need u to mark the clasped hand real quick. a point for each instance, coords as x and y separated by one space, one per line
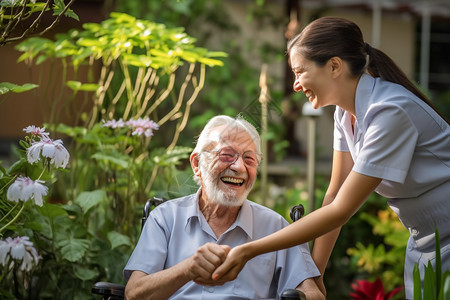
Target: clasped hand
215 264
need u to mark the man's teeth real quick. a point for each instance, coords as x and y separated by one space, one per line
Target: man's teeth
232 180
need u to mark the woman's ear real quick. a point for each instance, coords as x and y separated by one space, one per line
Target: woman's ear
336 65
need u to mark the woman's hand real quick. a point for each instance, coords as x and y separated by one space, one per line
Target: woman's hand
233 264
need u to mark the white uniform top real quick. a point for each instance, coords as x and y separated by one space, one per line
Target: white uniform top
402 140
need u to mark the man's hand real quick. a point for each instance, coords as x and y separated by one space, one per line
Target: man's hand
163 284
206 259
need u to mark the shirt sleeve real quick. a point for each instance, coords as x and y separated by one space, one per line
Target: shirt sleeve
297 265
389 143
152 244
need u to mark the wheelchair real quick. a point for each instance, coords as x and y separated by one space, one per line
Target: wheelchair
114 291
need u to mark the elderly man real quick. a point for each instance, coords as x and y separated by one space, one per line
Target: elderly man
185 239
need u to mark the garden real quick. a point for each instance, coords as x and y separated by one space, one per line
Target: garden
137 89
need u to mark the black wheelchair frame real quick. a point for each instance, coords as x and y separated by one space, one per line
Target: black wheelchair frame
115 291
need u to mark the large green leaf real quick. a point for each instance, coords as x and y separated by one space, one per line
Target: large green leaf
444 293
79 86
417 284
84 273
73 249
51 211
429 282
87 200
123 163
116 239
6 87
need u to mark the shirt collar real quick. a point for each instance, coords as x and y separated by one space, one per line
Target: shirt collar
244 219
364 91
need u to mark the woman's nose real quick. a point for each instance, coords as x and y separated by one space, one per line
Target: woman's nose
297 86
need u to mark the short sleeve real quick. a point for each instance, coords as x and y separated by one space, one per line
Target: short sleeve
152 243
339 139
388 144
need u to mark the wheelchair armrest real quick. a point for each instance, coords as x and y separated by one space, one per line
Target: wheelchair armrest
109 290
292 294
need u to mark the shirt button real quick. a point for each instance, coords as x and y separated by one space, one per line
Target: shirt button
414 231
211 289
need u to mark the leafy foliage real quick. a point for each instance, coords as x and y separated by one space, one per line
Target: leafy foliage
435 284
91 218
382 261
27 16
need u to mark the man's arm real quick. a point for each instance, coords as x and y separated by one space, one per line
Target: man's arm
163 284
310 289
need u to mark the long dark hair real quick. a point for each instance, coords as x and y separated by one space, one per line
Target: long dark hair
328 37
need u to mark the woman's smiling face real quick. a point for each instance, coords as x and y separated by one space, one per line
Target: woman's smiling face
313 80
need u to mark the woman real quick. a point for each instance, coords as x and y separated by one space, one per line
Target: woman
387 139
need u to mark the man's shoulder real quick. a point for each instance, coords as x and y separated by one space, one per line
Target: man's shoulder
260 209
176 204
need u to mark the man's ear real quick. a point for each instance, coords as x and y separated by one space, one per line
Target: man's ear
195 164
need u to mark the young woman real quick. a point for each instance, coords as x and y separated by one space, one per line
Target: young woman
387 138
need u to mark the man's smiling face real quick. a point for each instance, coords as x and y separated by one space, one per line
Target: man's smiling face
224 183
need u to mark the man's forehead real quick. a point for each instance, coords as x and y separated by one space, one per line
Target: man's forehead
231 135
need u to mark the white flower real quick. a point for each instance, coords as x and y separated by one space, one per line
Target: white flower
4 249
19 249
24 189
40 132
58 154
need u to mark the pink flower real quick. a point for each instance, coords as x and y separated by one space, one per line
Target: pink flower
114 124
19 249
24 189
54 150
143 126
139 126
37 131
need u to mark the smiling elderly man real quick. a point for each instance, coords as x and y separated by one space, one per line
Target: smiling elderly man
185 239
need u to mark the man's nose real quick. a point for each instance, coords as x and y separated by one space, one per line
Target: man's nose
239 164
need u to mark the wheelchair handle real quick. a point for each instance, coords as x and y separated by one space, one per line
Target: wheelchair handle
297 212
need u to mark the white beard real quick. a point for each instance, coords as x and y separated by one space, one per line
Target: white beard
216 195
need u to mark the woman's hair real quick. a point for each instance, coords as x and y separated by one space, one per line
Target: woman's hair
228 123
329 37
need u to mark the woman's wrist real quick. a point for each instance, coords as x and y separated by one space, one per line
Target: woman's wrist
249 250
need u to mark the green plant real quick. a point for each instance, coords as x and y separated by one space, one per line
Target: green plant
23 183
120 157
26 15
436 284
382 261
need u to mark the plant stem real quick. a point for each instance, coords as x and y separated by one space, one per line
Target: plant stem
14 219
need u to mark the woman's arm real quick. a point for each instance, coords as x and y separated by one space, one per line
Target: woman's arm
352 194
323 245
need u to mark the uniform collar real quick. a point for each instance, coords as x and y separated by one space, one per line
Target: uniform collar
364 91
